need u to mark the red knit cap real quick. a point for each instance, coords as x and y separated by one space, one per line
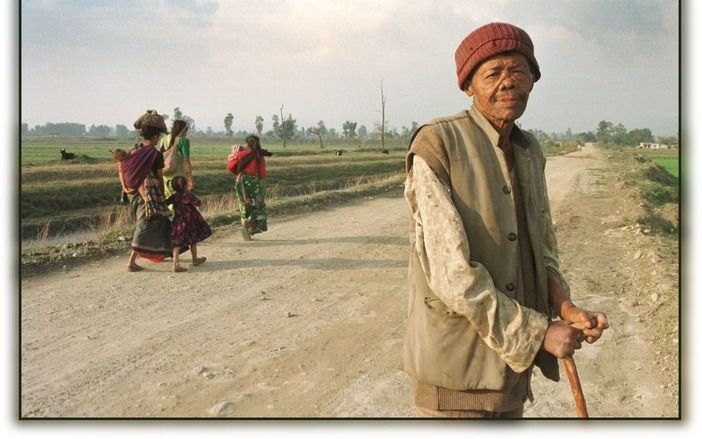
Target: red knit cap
490 40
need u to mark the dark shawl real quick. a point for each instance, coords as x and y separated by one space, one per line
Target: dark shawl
137 165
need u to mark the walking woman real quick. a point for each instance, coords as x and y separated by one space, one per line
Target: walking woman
248 164
176 151
142 169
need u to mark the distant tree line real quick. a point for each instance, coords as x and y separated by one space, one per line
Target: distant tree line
285 128
609 133
606 133
70 129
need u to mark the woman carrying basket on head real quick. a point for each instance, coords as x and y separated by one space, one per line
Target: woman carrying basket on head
142 170
248 164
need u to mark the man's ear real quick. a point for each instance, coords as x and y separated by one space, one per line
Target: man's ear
468 89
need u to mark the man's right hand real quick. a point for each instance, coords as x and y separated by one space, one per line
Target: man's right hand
562 339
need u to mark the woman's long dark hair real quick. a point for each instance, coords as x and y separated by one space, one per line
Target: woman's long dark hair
179 127
254 143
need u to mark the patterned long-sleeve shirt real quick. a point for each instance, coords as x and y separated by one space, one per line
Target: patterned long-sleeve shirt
512 330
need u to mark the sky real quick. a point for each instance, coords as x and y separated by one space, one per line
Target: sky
105 62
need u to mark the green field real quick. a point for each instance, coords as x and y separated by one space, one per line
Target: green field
40 150
74 194
666 158
670 164
67 195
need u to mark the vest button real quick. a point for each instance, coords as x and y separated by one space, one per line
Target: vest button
512 236
506 189
510 286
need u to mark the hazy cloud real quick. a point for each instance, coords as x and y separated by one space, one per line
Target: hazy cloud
104 62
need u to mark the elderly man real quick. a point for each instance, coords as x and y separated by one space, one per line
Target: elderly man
484 273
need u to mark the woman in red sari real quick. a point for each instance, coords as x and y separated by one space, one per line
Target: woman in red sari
248 164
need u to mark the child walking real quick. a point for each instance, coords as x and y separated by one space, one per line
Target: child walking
188 226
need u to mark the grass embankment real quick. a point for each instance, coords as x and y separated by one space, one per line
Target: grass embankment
657 181
670 164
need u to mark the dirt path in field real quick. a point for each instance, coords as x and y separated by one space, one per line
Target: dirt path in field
308 320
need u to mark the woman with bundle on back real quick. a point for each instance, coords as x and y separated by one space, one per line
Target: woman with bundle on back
176 153
248 164
141 172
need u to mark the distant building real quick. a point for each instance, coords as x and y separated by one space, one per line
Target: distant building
650 145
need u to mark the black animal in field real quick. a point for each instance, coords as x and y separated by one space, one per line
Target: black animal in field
339 152
66 155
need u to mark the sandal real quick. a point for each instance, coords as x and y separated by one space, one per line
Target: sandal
199 261
134 268
179 269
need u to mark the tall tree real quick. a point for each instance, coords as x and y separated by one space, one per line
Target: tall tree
585 137
228 124
604 131
99 131
259 125
619 135
317 133
349 129
177 114
413 128
284 128
121 131
322 128
276 124
639 135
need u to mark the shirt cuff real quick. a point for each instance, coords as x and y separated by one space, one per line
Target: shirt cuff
530 345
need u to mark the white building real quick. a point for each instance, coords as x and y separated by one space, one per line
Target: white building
650 145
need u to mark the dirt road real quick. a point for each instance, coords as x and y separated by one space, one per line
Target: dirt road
307 320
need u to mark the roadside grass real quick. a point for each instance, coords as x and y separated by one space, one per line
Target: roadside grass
667 158
224 210
660 191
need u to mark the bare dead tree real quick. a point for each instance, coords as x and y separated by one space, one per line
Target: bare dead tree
382 119
318 134
282 125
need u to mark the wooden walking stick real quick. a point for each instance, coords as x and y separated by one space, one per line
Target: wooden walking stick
575 387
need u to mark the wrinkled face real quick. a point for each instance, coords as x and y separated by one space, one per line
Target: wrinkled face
500 87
